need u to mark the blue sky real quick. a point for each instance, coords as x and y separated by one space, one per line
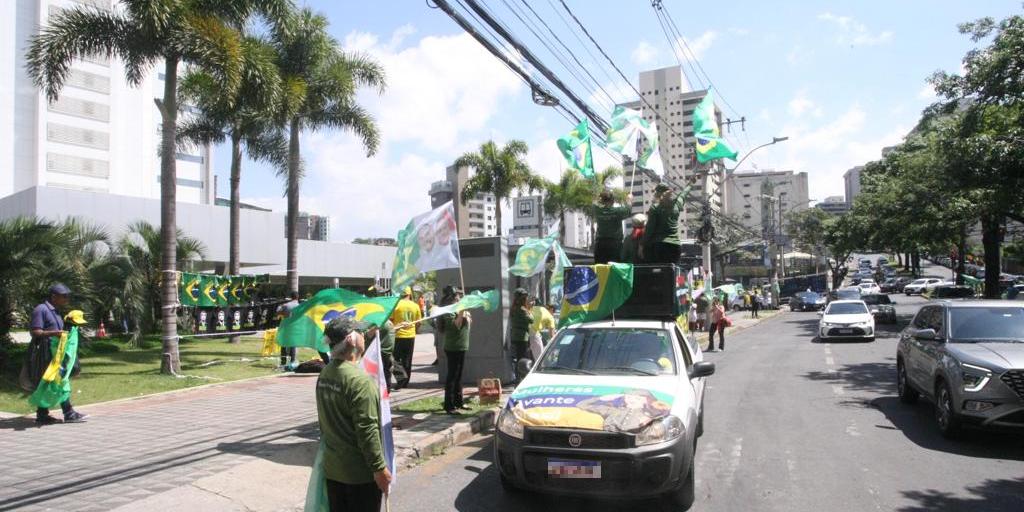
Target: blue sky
841 79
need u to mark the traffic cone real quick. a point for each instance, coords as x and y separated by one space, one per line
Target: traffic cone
102 332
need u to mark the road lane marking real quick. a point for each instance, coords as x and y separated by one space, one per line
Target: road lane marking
829 361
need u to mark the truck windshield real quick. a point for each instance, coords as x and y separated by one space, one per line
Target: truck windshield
610 351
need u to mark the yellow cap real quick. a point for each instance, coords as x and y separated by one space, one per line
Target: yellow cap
407 291
76 317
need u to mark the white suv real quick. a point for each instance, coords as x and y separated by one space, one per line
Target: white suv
920 285
610 410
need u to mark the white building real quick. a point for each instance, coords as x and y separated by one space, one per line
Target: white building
529 221
835 205
101 134
668 91
475 219
851 180
746 191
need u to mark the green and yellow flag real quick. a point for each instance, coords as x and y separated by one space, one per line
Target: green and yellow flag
190 290
223 290
208 290
305 326
55 385
237 295
575 147
594 292
710 144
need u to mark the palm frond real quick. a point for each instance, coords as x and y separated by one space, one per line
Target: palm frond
207 41
349 117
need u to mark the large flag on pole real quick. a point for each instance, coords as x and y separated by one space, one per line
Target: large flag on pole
558 273
304 327
626 127
575 147
429 242
372 364
710 144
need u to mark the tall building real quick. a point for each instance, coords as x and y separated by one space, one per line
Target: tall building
640 183
476 218
312 227
529 221
669 93
746 201
836 205
851 179
100 135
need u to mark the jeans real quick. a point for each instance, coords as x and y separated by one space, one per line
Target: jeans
720 327
353 497
403 356
453 381
388 362
520 350
65 407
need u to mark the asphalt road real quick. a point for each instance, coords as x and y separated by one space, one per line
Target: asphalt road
791 425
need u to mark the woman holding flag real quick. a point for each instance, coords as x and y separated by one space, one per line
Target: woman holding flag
456 343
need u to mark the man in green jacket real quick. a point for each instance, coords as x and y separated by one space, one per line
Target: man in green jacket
608 217
661 236
348 407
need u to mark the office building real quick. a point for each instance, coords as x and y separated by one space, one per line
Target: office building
529 221
851 180
836 205
669 93
312 227
746 202
640 183
476 218
100 135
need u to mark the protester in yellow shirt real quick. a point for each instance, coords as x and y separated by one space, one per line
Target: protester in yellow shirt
542 329
405 315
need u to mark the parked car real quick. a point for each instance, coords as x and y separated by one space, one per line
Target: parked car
967 357
887 285
882 260
881 307
868 286
950 291
931 286
807 301
919 285
849 293
897 287
847 319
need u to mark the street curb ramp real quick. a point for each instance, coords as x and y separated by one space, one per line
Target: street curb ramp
438 442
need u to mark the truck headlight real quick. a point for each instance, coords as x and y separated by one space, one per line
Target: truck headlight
509 424
660 431
974 377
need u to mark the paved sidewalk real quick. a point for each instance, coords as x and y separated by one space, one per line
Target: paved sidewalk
237 446
741 320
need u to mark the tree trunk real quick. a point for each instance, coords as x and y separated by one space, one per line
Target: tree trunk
169 362
561 228
961 267
497 214
293 206
899 259
990 225
915 262
234 266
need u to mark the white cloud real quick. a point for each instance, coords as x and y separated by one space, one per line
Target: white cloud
644 53
852 32
737 31
927 93
696 46
798 55
801 104
442 95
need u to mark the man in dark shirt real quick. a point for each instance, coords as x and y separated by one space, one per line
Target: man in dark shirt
348 407
47 322
608 217
661 243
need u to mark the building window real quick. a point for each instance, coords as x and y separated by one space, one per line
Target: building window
80 108
185 157
182 182
77 136
525 208
67 164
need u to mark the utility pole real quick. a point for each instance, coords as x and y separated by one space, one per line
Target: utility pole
780 241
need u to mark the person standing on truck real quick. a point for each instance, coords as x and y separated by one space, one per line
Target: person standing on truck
661 236
632 241
608 217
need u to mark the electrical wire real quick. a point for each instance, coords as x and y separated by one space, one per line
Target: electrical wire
677 49
618 85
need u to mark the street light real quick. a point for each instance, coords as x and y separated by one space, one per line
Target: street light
775 140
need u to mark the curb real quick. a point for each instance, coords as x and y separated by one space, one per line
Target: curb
702 337
438 442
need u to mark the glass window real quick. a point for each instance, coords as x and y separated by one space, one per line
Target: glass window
921 321
610 351
846 308
994 323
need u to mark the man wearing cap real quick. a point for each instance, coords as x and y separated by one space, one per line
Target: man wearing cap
404 316
608 217
46 323
348 408
661 243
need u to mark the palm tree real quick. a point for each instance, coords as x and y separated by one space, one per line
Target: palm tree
243 118
320 82
499 171
140 255
197 32
572 192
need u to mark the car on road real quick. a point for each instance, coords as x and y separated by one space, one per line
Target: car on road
931 286
967 357
868 286
848 293
900 283
611 409
849 319
949 291
888 285
882 260
881 307
919 285
807 301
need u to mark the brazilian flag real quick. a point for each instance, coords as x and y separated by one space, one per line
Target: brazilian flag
191 289
594 292
223 290
237 290
710 144
305 326
208 290
249 287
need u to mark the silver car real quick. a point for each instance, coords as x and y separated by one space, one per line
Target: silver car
968 358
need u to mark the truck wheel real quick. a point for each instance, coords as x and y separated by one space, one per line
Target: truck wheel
908 394
683 497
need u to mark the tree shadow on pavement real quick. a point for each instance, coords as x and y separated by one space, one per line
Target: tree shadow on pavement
293 447
485 494
878 378
990 495
917 423
804 323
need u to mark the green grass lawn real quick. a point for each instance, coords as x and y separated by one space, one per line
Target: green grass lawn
435 404
111 369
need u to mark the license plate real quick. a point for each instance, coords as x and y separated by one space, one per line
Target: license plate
845 331
560 468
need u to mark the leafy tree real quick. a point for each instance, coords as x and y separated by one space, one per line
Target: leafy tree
807 228
842 236
320 82
176 32
499 171
572 193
